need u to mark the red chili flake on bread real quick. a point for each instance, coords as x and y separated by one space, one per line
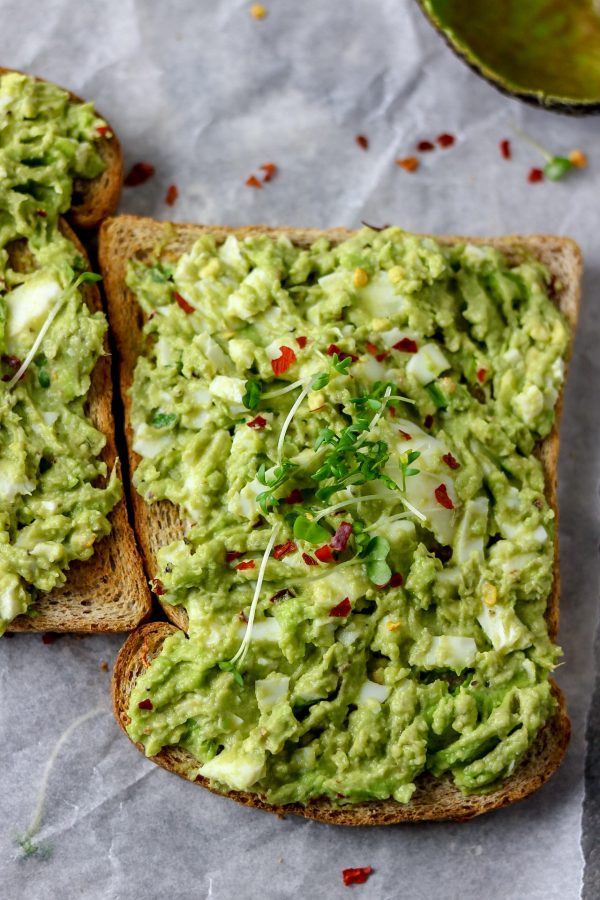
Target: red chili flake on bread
103 130
171 195
362 141
405 435
356 876
270 170
282 550
428 421
408 163
397 580
441 495
139 174
342 609
294 496
406 345
308 560
425 146
183 304
258 423
341 537
253 181
481 375
301 341
445 140
247 564
230 555
379 355
333 349
505 151
41 213
324 554
392 410
535 175
451 461
280 595
145 704
158 587
13 361
283 362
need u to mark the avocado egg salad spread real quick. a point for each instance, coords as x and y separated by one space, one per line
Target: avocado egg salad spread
51 507
349 433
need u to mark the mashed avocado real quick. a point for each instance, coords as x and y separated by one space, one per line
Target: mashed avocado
349 433
52 508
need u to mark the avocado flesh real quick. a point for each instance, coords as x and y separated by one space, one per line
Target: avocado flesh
545 51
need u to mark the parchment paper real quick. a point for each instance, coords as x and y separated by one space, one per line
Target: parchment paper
207 94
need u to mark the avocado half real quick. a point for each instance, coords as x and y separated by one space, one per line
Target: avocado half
545 52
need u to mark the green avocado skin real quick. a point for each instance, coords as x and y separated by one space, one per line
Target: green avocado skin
516 46
414 640
53 507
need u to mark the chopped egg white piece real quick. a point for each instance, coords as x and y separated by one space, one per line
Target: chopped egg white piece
427 363
235 768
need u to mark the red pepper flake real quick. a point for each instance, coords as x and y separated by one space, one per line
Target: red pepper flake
182 302
103 130
428 422
376 352
158 587
171 195
342 609
139 174
294 497
301 341
280 595
408 163
309 560
445 140
283 362
258 423
392 410
13 361
242 616
356 876
333 348
49 638
397 580
41 213
505 152
324 554
270 170
406 345
230 555
362 141
341 537
441 495
405 435
481 375
535 175
425 146
247 564
253 181
145 704
281 550
451 461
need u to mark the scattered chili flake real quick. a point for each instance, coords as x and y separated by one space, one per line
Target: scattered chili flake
535 175
283 362
333 348
230 555
441 495
309 560
183 304
247 564
103 130
139 174
405 435
280 595
324 554
171 195
258 11
428 421
281 550
362 141
397 580
408 163
13 361
425 146
41 213
406 345
258 422
341 537
445 140
270 170
578 158
376 352
146 704
481 375
451 461
242 616
301 341
49 638
158 587
342 609
505 151
253 181
294 497
356 876
392 410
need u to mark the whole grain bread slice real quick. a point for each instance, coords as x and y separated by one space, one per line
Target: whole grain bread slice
108 592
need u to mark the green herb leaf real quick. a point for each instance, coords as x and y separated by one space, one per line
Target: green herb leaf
41 359
320 381
228 666
88 278
251 398
305 530
556 167
406 468
163 420
341 365
378 572
44 378
437 395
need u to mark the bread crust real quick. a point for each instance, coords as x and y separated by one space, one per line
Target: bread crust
128 237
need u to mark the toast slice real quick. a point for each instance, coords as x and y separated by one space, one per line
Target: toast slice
108 592
129 237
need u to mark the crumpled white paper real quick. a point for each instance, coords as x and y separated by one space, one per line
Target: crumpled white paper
207 94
